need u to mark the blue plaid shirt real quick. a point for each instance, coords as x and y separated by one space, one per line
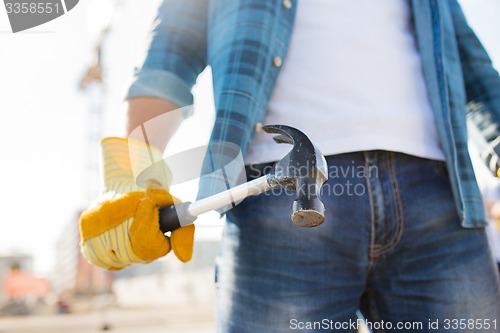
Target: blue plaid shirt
245 43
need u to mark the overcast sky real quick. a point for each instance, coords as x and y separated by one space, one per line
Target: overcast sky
43 115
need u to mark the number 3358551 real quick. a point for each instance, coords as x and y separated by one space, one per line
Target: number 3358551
32 8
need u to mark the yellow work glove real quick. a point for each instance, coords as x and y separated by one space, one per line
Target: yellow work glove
122 226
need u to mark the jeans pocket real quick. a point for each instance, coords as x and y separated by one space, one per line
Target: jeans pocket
440 168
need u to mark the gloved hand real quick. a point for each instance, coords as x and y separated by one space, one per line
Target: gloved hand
122 226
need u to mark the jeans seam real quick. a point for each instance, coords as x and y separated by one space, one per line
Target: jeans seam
372 209
399 206
372 306
399 211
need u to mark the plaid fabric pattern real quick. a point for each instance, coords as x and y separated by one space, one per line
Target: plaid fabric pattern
245 36
482 86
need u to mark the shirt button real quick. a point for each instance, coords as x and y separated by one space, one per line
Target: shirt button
277 61
287 4
258 127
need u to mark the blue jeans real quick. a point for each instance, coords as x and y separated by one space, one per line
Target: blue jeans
391 245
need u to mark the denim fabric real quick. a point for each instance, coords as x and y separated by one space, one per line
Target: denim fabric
240 39
390 245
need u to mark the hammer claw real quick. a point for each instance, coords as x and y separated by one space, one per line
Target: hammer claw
283 139
287 134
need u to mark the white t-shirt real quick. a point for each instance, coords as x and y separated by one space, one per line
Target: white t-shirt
352 81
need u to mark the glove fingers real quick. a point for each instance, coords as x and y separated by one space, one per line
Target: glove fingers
182 241
148 242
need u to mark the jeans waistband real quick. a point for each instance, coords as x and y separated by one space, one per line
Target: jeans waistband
358 158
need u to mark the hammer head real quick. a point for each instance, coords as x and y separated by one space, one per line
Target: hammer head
304 170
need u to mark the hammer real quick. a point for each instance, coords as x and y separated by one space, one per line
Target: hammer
303 170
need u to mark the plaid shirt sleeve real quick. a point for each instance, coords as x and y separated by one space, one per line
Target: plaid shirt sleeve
482 82
482 86
177 53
